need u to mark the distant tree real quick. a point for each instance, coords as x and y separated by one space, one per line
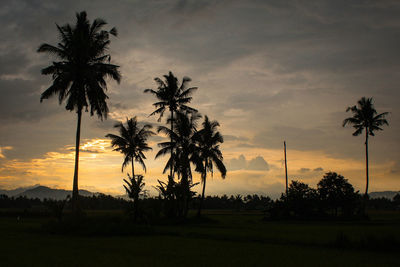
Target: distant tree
79 76
208 140
365 117
301 199
396 200
132 142
336 192
174 97
134 187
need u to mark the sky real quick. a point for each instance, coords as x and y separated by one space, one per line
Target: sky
267 71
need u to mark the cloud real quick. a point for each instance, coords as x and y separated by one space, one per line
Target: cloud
256 164
304 170
319 169
3 149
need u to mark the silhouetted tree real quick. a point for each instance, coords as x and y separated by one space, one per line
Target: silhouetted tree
336 192
132 142
184 152
134 186
207 140
168 193
301 199
365 118
79 78
174 97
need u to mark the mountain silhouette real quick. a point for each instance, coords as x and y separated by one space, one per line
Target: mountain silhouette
42 192
16 191
384 194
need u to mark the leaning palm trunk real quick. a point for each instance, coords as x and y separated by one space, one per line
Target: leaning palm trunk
75 190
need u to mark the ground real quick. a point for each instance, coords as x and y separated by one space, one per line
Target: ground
224 238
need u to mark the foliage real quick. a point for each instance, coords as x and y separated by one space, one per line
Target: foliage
171 95
334 197
301 199
336 192
132 142
134 188
208 153
184 150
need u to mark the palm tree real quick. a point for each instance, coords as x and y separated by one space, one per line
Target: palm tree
79 76
365 117
134 186
132 142
208 140
172 96
184 152
181 145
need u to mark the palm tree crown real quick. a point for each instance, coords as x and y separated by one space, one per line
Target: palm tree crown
171 95
365 117
132 142
79 78
182 143
208 140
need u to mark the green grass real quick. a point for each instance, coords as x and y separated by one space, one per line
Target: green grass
224 239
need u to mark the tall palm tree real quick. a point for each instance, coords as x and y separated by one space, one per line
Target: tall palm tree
172 96
79 77
132 142
208 140
365 118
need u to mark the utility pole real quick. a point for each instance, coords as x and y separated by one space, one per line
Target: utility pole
284 145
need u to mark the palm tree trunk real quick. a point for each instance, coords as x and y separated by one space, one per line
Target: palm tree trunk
172 153
133 170
202 194
284 144
75 191
366 161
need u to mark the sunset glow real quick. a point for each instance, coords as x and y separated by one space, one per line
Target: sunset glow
266 73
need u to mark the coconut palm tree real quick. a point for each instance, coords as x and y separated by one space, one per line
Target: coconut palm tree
208 140
182 143
132 142
172 96
184 152
79 77
365 117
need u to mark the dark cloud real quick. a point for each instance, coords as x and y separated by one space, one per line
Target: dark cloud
20 101
319 169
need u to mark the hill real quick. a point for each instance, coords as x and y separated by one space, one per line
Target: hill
42 192
384 194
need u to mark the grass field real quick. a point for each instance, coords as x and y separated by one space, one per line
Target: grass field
222 239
